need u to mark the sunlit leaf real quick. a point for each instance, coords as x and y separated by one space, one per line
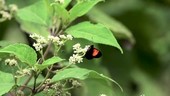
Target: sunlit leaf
115 26
35 13
96 33
81 8
81 74
6 82
22 51
49 62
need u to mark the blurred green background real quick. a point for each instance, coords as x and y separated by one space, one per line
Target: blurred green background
144 66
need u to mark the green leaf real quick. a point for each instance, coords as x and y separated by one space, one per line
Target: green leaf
81 8
35 18
66 3
31 28
80 73
103 86
36 13
96 33
6 82
115 26
61 12
22 51
49 62
4 43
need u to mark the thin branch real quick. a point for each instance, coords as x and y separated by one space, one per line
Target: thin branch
46 77
26 82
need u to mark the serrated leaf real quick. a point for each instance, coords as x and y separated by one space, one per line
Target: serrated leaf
96 33
115 26
6 82
81 8
49 62
36 13
81 74
22 51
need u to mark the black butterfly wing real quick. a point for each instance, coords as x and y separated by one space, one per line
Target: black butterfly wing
92 53
89 52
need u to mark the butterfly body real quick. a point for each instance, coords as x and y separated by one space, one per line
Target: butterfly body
92 53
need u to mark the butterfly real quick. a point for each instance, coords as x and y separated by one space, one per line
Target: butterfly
92 53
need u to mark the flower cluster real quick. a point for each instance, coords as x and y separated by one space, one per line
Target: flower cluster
23 72
40 41
7 12
11 62
56 88
103 95
60 40
75 83
79 52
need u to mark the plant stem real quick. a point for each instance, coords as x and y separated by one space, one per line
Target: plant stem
47 50
66 89
26 82
35 80
46 77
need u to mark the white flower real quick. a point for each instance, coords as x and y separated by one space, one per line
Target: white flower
50 38
79 59
78 53
38 38
11 62
56 39
26 71
69 37
7 61
76 46
62 36
41 40
75 58
34 36
37 46
23 72
5 15
13 7
72 60
86 47
103 95
61 43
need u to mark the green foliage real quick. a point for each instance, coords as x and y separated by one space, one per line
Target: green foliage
61 13
23 52
35 18
35 13
96 33
6 82
115 26
48 62
81 8
81 74
45 18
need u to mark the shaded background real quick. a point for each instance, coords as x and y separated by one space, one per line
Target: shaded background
144 66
